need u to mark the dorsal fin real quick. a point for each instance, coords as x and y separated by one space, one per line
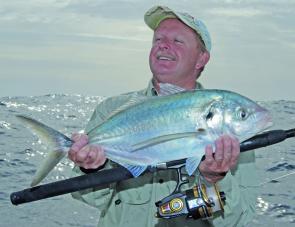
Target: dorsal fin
134 99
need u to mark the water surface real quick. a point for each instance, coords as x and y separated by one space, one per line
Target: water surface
21 152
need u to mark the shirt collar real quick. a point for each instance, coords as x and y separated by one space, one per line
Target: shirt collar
151 91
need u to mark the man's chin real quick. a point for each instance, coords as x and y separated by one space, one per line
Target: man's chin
164 78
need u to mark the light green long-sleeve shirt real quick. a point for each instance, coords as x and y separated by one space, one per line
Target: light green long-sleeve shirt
131 203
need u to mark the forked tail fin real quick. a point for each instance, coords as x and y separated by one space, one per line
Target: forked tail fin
57 142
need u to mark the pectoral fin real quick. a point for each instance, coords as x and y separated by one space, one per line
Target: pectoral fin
191 165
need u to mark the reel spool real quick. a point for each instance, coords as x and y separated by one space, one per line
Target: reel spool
200 202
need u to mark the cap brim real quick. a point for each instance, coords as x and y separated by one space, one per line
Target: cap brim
155 15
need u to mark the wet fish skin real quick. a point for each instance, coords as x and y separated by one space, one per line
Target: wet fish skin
153 130
185 112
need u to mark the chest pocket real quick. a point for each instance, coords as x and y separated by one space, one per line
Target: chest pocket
136 190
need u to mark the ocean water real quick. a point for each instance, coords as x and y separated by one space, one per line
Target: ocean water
21 152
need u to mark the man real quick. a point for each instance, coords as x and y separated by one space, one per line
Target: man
180 51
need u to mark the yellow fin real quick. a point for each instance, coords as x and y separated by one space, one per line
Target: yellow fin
50 161
54 140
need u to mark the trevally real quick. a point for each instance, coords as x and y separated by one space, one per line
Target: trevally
152 130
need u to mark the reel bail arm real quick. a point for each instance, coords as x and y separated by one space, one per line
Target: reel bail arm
200 202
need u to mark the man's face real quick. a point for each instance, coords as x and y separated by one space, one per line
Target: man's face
175 53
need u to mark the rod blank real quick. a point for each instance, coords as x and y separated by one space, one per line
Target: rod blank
105 177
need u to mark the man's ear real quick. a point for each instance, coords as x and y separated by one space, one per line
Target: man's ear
203 59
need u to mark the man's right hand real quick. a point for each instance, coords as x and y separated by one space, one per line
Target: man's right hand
84 155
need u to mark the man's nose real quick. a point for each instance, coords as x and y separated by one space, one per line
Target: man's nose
164 44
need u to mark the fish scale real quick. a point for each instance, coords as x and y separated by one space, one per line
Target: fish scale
161 112
155 130
148 127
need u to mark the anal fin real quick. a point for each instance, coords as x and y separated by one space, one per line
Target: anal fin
134 170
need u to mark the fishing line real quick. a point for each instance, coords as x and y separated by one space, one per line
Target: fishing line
280 177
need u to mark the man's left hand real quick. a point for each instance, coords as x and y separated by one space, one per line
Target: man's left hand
227 151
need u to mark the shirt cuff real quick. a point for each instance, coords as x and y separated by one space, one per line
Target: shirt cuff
93 170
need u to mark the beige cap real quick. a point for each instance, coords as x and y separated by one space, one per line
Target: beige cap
156 14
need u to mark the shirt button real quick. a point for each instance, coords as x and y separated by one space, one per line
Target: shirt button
103 213
118 201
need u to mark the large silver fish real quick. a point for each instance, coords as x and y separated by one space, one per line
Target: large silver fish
152 130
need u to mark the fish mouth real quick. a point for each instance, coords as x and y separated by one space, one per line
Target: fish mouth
265 122
269 125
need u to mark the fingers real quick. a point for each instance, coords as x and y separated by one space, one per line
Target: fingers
209 155
235 153
80 140
230 150
227 152
81 156
80 137
89 157
208 166
219 151
225 157
84 155
95 158
92 155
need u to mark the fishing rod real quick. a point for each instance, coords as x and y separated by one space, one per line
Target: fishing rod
106 177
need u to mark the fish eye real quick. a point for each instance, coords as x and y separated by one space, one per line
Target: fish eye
242 114
209 116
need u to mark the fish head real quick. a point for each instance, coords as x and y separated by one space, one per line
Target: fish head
243 117
236 115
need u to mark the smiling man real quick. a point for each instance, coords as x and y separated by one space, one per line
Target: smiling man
180 50
177 55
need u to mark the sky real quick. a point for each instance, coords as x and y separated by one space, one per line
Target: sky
101 47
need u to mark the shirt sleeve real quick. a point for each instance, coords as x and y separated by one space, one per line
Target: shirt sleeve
101 196
241 189
97 197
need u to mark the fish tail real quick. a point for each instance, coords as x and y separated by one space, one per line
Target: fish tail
57 142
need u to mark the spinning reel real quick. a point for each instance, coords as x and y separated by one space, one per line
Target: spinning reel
200 202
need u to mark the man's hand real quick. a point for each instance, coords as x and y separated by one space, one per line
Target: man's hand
84 155
225 158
